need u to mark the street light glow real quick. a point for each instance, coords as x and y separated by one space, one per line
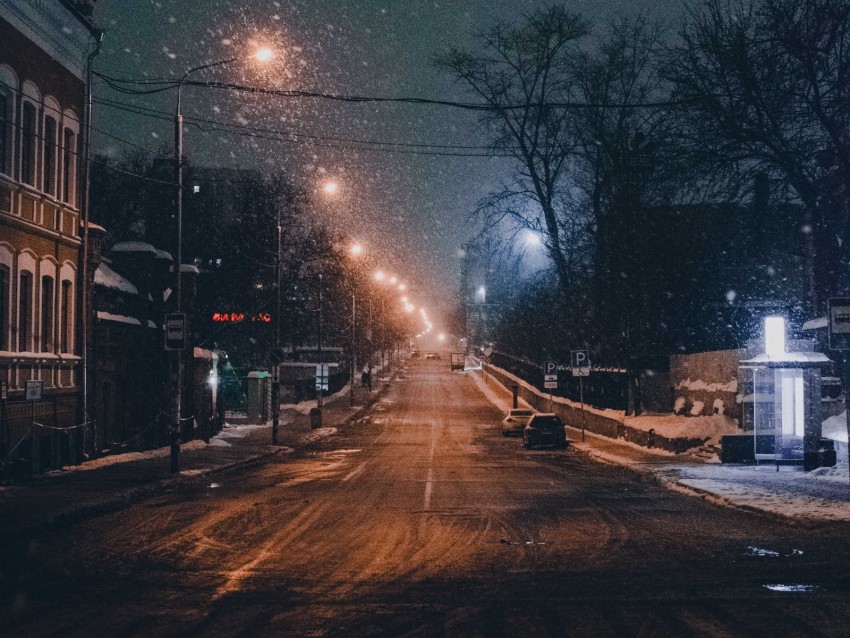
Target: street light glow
264 55
393 280
330 188
379 276
356 249
402 287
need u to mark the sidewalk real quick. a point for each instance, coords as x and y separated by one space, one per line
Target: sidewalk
820 495
110 482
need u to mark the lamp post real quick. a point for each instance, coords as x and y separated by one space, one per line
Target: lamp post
262 55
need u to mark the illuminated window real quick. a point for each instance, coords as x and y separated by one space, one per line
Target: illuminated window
46 314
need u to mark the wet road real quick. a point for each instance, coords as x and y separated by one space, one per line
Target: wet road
427 522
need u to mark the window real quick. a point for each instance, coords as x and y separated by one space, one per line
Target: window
4 307
50 155
24 311
28 138
5 113
46 314
66 300
69 166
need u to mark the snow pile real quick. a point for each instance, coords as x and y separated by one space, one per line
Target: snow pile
835 428
672 426
304 407
108 278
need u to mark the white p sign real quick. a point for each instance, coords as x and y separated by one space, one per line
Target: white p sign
550 367
579 359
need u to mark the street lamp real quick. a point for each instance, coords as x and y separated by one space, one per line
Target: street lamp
261 55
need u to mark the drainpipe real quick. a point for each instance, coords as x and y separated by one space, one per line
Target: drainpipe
86 204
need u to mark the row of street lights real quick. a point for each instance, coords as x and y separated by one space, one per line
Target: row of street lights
261 55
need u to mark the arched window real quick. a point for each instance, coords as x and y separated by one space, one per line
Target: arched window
29 136
5 295
66 308
50 130
70 153
8 87
24 311
47 301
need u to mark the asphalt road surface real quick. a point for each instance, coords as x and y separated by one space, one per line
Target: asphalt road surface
427 522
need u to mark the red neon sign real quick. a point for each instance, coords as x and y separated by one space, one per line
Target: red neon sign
239 317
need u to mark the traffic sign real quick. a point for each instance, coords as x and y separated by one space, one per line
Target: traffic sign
580 363
34 390
838 314
322 376
550 367
175 331
550 385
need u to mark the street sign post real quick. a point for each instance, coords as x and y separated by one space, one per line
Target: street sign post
322 377
175 331
839 323
580 364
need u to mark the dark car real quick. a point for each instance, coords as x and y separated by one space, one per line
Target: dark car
432 355
545 429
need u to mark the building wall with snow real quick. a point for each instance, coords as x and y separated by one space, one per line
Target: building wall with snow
706 383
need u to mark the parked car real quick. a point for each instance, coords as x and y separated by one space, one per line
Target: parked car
432 355
414 354
545 429
515 421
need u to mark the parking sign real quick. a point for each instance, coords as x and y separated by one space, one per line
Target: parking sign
580 363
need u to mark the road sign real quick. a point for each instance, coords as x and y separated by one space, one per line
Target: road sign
580 363
34 390
838 315
550 385
550 367
175 331
322 376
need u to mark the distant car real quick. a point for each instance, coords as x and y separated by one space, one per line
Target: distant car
415 354
432 355
544 429
515 420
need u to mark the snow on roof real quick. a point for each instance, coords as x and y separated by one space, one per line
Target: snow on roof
189 268
815 324
108 278
134 247
164 254
808 358
203 353
108 316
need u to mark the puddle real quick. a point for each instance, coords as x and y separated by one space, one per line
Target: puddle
761 552
795 588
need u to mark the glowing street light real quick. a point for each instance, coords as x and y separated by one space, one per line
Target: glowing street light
261 55
356 249
330 188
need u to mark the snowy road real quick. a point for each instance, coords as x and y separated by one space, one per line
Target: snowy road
427 521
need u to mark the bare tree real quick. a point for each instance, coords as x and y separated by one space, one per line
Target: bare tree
765 91
523 73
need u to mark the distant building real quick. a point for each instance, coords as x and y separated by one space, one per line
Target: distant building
44 46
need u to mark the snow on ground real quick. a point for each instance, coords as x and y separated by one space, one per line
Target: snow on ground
693 427
823 494
128 457
304 407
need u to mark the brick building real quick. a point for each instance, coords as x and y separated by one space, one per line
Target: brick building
45 47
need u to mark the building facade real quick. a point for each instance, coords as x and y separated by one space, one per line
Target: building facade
44 48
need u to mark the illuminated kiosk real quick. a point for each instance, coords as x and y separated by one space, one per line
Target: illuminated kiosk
787 398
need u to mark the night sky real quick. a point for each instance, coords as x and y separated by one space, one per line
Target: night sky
410 210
